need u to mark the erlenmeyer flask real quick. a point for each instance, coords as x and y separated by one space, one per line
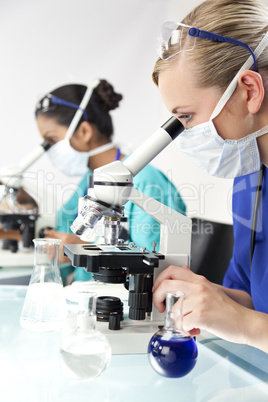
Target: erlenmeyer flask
86 351
44 307
172 351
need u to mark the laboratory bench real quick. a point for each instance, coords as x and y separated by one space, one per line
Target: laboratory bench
32 370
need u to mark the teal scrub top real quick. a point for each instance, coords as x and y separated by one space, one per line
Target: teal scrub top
143 229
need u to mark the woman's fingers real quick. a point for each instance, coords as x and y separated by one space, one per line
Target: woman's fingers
173 272
171 285
160 295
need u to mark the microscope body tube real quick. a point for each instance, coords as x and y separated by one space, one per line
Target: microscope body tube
153 145
25 163
33 156
11 175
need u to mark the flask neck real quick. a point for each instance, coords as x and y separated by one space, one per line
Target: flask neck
46 252
174 314
86 318
86 321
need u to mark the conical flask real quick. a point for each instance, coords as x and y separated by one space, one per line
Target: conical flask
44 307
172 351
85 351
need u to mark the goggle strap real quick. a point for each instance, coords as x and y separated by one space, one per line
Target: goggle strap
200 33
62 102
233 84
83 104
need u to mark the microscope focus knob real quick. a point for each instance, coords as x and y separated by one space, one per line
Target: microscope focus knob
137 305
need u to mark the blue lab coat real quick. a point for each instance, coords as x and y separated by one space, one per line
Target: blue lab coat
238 275
143 229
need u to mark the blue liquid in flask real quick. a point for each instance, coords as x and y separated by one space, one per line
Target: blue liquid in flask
172 352
172 356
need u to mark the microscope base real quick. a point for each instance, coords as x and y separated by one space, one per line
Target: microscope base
132 338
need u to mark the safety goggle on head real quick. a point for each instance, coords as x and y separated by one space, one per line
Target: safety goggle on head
177 37
50 102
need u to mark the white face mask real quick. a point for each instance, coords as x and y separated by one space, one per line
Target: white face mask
71 162
219 157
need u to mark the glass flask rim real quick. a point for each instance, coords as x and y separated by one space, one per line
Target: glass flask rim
83 288
175 293
46 240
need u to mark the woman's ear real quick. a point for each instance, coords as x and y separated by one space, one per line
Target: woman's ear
85 132
252 84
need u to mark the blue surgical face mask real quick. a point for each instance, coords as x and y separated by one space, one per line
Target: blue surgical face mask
219 157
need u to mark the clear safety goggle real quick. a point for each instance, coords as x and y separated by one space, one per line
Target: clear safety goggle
177 37
172 36
49 102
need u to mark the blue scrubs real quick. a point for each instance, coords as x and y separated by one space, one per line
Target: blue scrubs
143 230
238 275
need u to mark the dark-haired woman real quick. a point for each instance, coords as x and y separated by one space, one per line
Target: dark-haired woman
90 147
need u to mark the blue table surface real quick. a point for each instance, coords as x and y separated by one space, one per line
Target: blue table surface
31 369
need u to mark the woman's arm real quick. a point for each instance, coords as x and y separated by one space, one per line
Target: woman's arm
239 296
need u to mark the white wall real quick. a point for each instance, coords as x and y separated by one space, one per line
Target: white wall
49 43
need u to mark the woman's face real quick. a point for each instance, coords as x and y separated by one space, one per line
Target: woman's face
50 130
53 132
192 105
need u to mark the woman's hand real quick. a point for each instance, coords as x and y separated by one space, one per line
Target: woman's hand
66 238
206 306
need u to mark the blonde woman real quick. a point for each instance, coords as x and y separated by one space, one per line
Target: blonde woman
212 75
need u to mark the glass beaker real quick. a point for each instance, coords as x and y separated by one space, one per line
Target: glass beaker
172 351
85 350
44 307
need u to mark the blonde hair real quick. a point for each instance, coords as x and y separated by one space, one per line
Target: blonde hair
216 63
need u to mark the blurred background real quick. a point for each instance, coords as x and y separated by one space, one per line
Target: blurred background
46 44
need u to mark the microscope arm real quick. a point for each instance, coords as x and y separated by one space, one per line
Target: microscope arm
175 235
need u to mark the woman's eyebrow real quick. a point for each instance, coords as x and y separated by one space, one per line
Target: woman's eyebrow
178 108
48 133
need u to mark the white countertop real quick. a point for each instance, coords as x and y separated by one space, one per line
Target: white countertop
32 370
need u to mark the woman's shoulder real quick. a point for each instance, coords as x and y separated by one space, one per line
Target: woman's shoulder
83 184
151 174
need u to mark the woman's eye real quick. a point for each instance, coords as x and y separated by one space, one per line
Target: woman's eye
52 141
186 117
